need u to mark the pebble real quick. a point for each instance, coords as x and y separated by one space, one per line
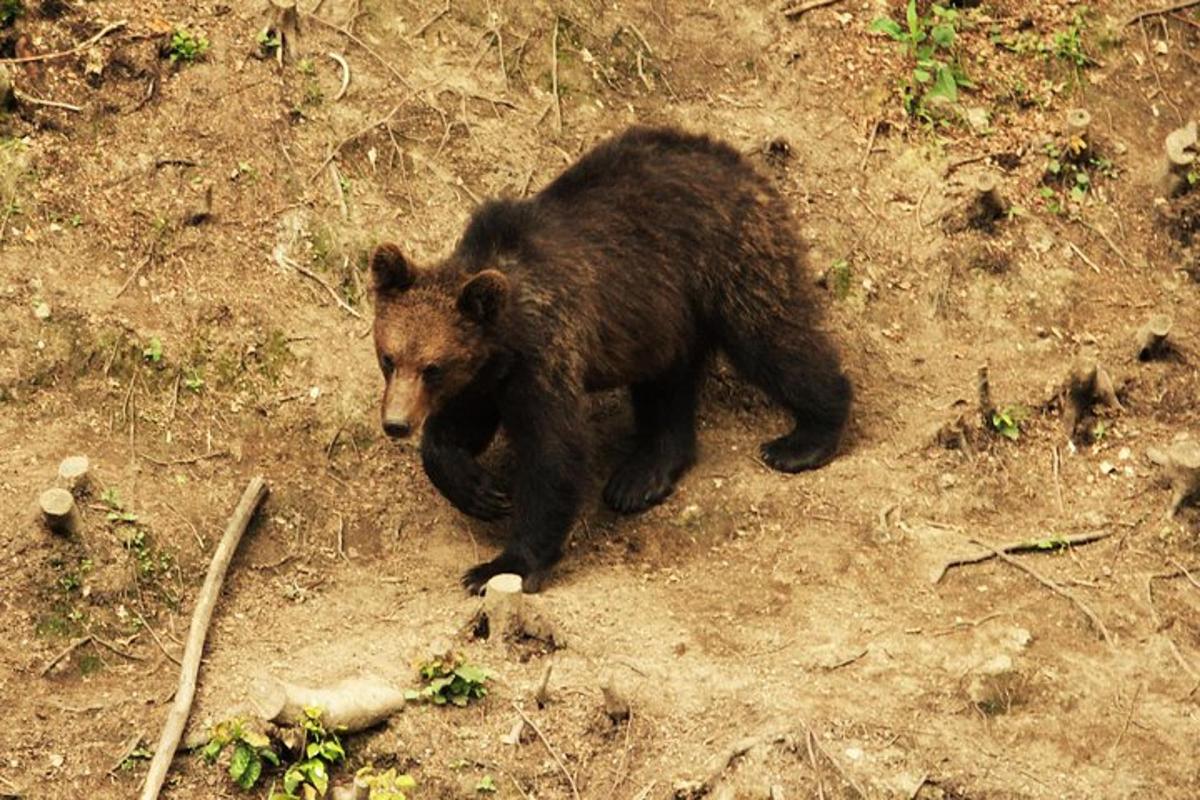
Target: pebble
42 311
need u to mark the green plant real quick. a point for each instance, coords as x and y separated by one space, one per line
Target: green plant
929 41
1007 422
268 41
251 750
153 351
486 785
1068 44
322 749
137 754
306 66
193 379
9 11
186 46
116 509
388 785
449 679
839 278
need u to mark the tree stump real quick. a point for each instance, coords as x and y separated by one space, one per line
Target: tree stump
1183 470
509 613
1152 337
59 512
616 707
73 474
1183 152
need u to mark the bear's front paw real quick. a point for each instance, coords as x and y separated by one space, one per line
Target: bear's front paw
474 579
799 452
640 483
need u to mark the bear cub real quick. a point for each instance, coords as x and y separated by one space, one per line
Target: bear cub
632 268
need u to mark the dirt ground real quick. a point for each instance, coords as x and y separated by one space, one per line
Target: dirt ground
184 353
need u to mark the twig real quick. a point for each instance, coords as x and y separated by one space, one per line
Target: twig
188 460
201 617
425 25
1128 718
1052 586
130 745
1107 240
122 653
549 749
1047 545
795 12
345 75
84 45
1150 12
341 537
370 51
361 132
336 177
412 205
554 78
812 759
66 651
157 640
37 101
1083 256
150 254
1185 572
862 167
1058 495
285 262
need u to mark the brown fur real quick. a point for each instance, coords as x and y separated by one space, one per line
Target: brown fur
630 269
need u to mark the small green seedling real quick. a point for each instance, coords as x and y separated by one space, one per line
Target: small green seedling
193 379
153 351
186 46
268 41
138 753
322 749
486 785
388 785
449 679
251 750
1049 543
1008 422
116 509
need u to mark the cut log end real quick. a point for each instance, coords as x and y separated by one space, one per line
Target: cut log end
73 474
616 707
1078 122
1152 337
1183 469
59 512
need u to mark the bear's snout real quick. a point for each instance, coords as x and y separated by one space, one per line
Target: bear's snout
397 428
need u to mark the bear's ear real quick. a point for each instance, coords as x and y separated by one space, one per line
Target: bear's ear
484 296
390 270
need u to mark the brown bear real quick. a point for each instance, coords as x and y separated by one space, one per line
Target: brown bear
632 268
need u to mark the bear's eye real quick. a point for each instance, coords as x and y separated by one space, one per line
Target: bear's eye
430 373
387 365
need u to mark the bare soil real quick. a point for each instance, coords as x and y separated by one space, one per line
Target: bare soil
800 610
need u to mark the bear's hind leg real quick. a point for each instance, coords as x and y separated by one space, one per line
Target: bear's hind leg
798 368
664 413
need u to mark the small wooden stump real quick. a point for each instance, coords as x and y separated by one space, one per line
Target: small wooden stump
1183 150
616 707
1183 470
1079 123
1088 385
1152 337
59 512
73 474
508 613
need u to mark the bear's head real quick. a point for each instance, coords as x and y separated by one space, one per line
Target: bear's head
433 334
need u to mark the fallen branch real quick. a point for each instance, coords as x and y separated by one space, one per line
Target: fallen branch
189 460
79 48
37 101
1153 12
549 749
1048 545
795 12
353 704
1052 586
201 617
285 262
66 651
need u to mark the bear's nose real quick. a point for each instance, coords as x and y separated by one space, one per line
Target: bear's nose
397 429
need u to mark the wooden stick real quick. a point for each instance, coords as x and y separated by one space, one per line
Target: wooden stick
370 51
1052 586
84 45
1047 545
1151 12
284 261
38 101
345 75
554 78
361 132
549 749
66 651
255 491
795 12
